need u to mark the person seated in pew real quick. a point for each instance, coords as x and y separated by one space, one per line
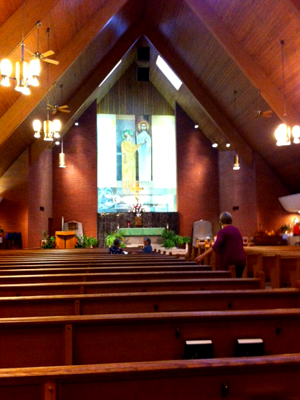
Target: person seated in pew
147 245
228 246
116 248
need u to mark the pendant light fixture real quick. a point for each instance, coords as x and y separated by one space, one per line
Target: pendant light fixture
284 133
236 161
62 158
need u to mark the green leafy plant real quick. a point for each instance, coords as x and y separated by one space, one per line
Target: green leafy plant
85 241
91 242
110 237
48 242
170 239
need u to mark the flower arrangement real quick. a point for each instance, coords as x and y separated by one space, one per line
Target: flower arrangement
137 209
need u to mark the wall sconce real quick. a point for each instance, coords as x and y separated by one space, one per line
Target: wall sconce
62 159
236 163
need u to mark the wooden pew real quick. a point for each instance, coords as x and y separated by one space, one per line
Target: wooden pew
112 276
269 377
281 269
89 304
114 338
63 288
113 261
88 269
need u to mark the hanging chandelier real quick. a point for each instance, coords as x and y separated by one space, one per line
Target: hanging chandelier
25 74
23 71
51 129
285 133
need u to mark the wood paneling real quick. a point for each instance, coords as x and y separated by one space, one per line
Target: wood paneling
128 96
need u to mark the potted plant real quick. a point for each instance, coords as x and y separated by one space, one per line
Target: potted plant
91 242
170 239
110 237
48 242
86 242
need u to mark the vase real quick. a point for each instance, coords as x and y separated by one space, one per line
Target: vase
138 221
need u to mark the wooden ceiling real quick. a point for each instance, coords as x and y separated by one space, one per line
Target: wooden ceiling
227 53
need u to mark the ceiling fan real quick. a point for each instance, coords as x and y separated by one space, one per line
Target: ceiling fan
263 114
56 108
42 56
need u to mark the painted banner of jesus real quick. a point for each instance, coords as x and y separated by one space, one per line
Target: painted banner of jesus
144 152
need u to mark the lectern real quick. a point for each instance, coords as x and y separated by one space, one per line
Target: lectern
65 239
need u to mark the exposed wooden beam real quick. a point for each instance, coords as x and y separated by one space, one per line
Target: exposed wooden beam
254 73
194 86
90 90
22 107
295 4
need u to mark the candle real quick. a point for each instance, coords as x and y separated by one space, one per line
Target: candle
62 223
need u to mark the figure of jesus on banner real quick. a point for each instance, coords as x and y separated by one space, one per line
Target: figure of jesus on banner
143 139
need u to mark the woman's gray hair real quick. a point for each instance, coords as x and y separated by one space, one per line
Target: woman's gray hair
226 218
148 240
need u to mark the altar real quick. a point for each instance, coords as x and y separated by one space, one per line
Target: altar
134 236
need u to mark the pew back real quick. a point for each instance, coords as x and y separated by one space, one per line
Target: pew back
114 338
262 377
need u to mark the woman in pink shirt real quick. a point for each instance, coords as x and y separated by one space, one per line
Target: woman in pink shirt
228 246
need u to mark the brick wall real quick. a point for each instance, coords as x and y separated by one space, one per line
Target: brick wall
40 195
14 206
270 213
197 176
238 193
75 187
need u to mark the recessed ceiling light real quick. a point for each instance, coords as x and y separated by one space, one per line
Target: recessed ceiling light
227 144
169 74
76 123
215 145
196 126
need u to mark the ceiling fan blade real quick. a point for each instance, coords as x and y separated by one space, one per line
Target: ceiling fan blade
48 60
267 114
61 107
29 51
54 112
47 53
65 111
